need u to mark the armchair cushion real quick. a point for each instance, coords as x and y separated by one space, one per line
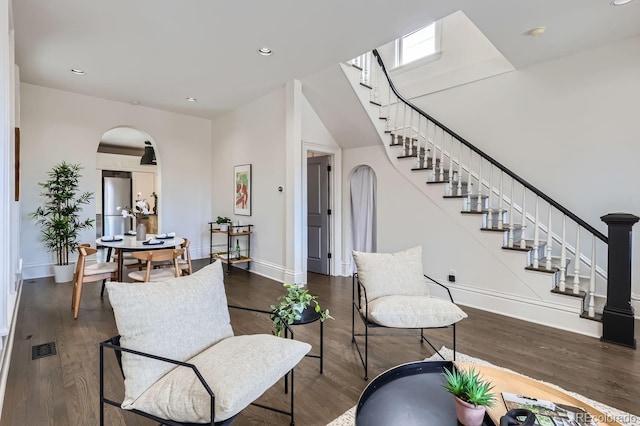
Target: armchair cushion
196 303
413 312
238 369
388 274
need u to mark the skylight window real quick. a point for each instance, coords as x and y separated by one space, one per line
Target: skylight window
417 45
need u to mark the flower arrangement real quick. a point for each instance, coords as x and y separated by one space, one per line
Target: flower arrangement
292 305
139 211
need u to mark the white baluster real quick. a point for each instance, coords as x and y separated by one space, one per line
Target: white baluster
388 121
411 147
459 190
374 81
451 165
469 181
490 210
441 177
404 129
523 225
511 224
480 185
395 119
592 280
500 202
435 151
563 255
536 234
549 241
418 160
576 266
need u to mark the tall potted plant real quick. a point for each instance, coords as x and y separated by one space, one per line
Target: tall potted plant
59 217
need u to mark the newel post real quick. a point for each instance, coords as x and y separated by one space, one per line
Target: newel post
617 317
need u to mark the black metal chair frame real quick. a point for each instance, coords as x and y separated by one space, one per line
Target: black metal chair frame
114 344
360 290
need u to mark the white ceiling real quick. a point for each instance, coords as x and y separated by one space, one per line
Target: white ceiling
159 52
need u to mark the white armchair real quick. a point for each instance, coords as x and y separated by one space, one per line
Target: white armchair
180 359
390 290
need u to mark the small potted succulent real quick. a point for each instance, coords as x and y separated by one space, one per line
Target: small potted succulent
292 305
472 394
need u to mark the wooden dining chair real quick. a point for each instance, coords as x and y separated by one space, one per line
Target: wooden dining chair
157 274
184 261
89 273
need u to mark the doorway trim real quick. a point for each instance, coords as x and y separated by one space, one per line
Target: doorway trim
336 264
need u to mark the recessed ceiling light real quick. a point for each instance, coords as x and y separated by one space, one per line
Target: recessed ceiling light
190 99
265 51
135 102
537 31
620 2
77 71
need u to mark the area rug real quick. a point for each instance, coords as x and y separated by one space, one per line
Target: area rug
625 419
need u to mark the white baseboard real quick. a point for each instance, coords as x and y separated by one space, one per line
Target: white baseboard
7 350
536 311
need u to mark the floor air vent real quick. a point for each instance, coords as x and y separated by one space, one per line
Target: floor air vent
41 351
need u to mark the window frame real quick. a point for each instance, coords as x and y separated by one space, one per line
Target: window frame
425 59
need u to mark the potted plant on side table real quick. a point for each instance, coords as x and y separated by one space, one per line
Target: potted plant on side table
472 394
59 217
223 222
292 306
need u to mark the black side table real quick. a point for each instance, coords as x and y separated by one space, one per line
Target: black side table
309 315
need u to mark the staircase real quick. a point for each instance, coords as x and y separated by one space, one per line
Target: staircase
554 242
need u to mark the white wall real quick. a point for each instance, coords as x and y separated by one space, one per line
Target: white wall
58 125
465 55
254 134
487 277
569 126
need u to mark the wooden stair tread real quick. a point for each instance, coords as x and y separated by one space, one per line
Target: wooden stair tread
408 156
366 85
569 292
517 248
470 212
437 181
553 269
495 229
597 317
375 103
356 67
417 169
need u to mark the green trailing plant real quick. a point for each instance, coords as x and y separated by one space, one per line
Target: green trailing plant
469 386
222 219
59 217
291 306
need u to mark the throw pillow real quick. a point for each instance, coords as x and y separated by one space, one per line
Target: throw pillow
175 319
388 274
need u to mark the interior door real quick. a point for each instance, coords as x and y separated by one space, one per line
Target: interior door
318 214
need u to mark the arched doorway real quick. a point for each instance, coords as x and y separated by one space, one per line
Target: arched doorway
126 170
363 210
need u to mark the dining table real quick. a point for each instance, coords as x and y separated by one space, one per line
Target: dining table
128 243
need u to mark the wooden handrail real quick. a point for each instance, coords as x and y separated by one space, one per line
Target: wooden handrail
526 184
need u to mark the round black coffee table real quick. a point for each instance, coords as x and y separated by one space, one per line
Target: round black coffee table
409 395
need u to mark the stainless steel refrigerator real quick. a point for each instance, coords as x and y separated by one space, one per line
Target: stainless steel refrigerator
116 192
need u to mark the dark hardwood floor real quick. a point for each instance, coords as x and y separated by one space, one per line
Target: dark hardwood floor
63 389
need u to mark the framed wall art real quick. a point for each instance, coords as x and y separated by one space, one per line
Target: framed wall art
242 189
